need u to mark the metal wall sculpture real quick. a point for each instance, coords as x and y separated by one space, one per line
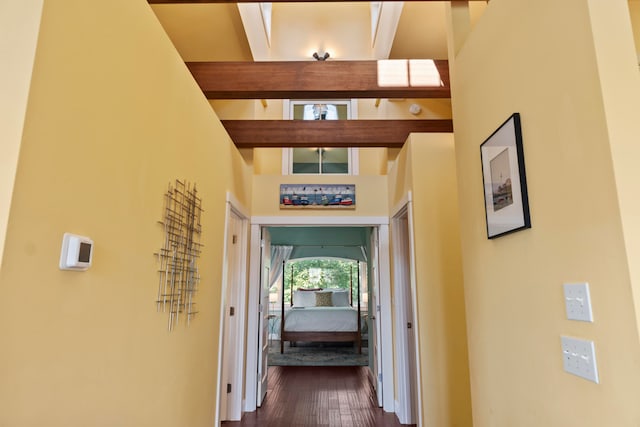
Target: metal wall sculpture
179 274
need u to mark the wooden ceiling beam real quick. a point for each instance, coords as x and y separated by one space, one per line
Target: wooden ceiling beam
305 80
328 133
272 1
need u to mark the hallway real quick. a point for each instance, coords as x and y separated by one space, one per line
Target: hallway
318 396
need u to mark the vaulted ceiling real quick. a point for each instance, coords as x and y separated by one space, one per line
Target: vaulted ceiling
217 31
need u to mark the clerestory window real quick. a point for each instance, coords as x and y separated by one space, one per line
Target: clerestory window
320 160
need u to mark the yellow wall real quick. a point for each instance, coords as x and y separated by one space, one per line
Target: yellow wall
372 161
113 118
513 284
634 9
429 20
233 109
190 28
399 109
267 161
19 23
620 82
426 167
400 181
241 109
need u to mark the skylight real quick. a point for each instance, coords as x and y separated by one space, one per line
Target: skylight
408 72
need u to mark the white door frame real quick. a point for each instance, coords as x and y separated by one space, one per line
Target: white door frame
263 309
236 296
253 318
374 314
404 407
386 321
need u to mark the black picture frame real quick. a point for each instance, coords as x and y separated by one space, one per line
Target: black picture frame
504 180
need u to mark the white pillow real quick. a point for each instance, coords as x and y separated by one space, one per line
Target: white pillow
304 299
340 298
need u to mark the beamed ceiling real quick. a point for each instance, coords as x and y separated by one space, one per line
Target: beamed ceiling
305 80
277 1
329 133
231 59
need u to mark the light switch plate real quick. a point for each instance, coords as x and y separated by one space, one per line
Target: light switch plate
579 358
578 302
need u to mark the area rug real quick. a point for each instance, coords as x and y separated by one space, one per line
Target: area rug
318 354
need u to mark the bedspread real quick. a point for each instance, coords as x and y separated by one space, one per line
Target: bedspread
321 319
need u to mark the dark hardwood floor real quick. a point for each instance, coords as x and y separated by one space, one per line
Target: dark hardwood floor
318 396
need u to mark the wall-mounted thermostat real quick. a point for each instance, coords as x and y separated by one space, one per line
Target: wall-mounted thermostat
77 252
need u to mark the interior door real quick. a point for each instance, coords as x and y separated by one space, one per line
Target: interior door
374 316
411 353
405 343
263 340
230 401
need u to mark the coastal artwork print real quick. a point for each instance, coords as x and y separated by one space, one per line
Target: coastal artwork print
317 196
505 182
501 181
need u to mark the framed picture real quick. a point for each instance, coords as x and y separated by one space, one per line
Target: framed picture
317 196
505 181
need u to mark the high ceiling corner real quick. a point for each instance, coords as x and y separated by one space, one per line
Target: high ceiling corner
240 50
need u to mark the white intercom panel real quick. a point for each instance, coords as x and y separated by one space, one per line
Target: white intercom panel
77 252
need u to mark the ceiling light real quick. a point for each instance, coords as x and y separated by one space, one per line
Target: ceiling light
321 58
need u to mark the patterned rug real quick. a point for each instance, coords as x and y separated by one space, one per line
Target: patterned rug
318 354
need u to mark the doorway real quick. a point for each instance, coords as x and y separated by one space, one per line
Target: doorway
384 387
407 371
232 313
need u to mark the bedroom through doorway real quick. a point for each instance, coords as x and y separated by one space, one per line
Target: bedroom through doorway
321 268
325 304
319 285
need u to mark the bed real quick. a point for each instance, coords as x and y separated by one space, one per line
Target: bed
325 315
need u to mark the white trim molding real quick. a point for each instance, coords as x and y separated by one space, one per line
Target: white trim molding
402 204
353 153
356 221
257 223
404 408
386 318
237 206
235 400
253 320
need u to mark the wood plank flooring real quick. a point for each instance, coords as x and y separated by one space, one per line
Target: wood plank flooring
304 396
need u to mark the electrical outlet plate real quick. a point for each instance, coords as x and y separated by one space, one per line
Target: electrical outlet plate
579 358
578 302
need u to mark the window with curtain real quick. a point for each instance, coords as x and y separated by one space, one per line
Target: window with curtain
321 160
